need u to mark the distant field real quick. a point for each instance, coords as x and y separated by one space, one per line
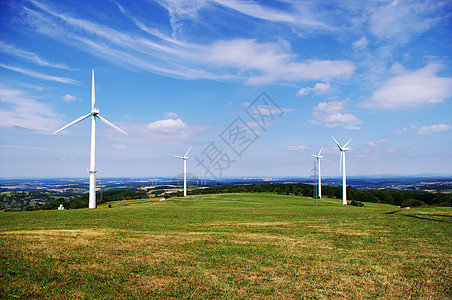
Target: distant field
235 246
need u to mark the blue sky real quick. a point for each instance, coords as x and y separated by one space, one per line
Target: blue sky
180 73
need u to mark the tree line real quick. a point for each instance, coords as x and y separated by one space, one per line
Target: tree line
357 197
82 202
394 197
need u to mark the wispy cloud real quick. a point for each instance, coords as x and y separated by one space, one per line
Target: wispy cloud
30 56
300 148
21 111
434 129
119 146
400 20
39 75
232 59
361 44
375 143
299 13
411 89
171 115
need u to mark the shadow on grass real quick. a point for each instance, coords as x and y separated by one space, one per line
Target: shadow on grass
393 212
430 219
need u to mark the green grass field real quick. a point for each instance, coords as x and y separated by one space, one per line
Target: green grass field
233 246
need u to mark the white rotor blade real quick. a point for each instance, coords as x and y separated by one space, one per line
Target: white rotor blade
337 143
188 151
314 155
93 93
73 122
340 162
347 143
178 156
320 151
110 124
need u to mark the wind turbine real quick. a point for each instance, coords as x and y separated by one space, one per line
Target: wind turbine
319 157
92 164
185 157
343 149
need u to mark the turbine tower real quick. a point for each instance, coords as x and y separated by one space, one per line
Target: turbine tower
343 149
185 157
319 157
92 164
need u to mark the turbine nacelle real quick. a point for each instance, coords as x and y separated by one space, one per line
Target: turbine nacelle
318 156
95 111
343 148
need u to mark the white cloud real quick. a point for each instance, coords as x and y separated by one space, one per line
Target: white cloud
304 91
20 111
171 115
434 129
39 75
271 62
329 114
300 148
319 89
163 132
68 98
411 89
168 126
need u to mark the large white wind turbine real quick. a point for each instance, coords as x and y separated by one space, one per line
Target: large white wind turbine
185 157
92 164
319 157
343 149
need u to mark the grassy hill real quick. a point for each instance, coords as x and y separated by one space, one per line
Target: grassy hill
227 246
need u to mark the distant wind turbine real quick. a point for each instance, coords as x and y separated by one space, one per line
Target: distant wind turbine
319 157
343 149
92 165
185 157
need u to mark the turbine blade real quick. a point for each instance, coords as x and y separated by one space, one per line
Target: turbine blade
178 156
340 162
73 122
314 155
93 92
188 151
347 143
110 124
320 151
339 146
